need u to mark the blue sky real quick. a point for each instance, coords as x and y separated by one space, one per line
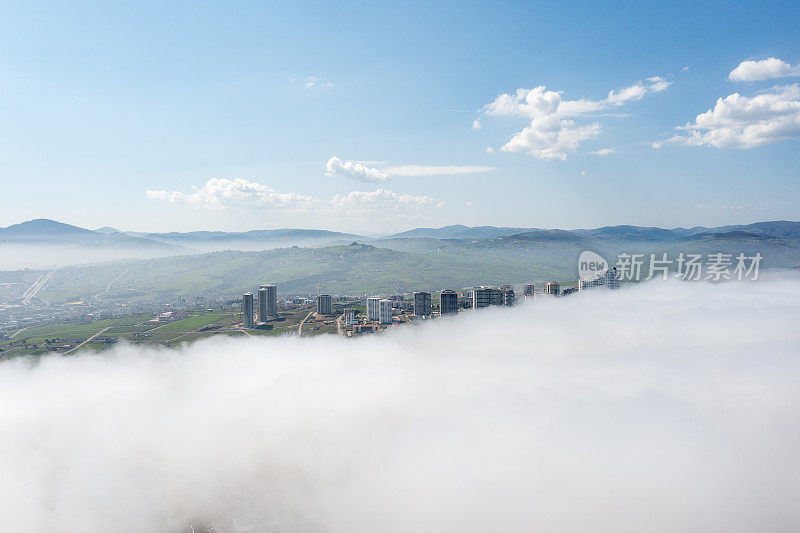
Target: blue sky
102 102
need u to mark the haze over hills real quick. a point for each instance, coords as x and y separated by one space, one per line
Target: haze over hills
47 243
115 271
253 240
53 243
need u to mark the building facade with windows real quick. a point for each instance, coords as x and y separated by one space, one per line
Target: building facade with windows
324 304
247 310
448 302
385 311
552 287
267 302
422 304
481 297
373 308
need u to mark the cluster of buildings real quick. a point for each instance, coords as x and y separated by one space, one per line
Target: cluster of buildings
267 306
381 312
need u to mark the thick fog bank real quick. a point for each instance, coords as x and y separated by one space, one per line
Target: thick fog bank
663 407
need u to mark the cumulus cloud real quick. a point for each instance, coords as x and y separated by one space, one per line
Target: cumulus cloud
381 200
222 193
436 170
662 407
476 124
354 170
763 69
738 121
552 133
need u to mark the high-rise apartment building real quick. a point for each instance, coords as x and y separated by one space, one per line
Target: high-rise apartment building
611 277
247 310
373 308
528 292
448 302
385 311
481 297
324 304
267 302
508 297
496 297
422 303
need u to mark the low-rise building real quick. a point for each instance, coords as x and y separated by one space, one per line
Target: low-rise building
358 329
552 287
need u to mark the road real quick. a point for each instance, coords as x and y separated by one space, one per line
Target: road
37 285
339 320
300 327
88 340
108 287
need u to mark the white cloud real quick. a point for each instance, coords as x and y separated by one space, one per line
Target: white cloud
551 133
662 407
378 200
318 82
583 172
602 152
468 204
435 170
738 121
490 150
549 137
354 170
359 171
476 124
763 69
222 193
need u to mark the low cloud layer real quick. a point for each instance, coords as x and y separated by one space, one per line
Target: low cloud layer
219 194
223 193
662 407
358 170
553 132
361 202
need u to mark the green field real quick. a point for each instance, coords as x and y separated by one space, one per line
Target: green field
142 329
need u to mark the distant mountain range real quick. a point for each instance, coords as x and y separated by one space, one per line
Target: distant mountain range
44 231
781 239
779 228
157 267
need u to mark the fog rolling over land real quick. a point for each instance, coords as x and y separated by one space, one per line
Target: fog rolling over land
666 406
